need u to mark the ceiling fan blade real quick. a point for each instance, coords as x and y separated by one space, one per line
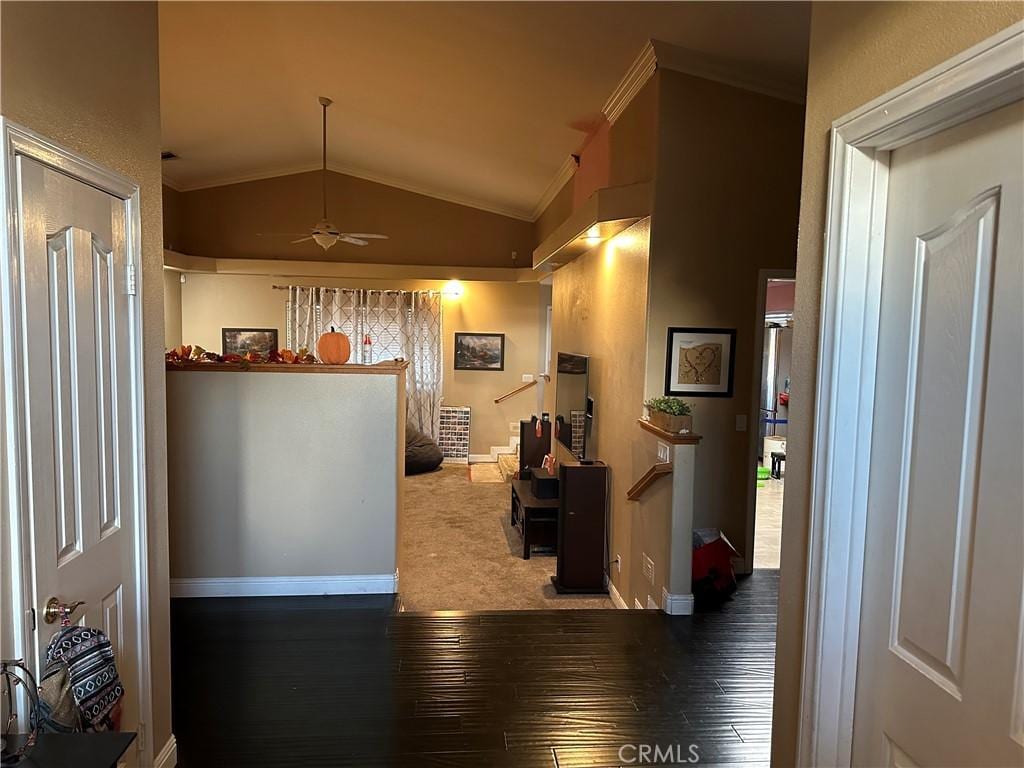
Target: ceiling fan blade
302 239
281 234
352 240
366 236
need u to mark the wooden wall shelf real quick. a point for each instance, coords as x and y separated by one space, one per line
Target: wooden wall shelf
669 437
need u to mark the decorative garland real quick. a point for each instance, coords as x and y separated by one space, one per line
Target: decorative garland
188 353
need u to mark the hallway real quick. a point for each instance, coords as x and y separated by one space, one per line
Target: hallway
343 681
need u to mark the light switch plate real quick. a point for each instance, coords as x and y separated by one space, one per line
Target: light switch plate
664 452
527 377
741 422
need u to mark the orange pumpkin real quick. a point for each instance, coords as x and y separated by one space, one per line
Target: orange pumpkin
333 348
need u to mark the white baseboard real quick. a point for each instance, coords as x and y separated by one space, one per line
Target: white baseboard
271 586
613 593
676 605
168 757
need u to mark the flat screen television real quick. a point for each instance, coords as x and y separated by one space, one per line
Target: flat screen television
572 420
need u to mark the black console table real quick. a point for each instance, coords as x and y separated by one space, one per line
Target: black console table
536 519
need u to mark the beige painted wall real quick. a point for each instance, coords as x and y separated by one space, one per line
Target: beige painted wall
101 97
172 308
320 498
726 201
599 308
224 222
213 301
858 51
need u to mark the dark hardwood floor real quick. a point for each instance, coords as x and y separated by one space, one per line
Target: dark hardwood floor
331 681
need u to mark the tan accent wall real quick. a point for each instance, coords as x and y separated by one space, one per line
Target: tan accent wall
558 210
86 75
172 308
599 309
726 201
172 217
858 51
214 301
224 222
634 138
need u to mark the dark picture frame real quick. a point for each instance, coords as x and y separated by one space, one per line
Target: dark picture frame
238 341
479 352
713 359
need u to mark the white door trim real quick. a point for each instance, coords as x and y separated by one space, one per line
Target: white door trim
15 503
981 79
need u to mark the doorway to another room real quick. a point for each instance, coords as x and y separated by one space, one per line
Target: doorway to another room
773 416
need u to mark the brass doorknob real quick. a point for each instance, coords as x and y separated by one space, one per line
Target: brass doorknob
55 607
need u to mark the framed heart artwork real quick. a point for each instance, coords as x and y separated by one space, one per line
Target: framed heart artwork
700 362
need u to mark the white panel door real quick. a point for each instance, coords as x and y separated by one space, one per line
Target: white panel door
939 680
77 350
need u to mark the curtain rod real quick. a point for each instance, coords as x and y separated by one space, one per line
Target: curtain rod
354 290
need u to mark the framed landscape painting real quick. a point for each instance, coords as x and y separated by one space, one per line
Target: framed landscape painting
700 362
479 351
238 341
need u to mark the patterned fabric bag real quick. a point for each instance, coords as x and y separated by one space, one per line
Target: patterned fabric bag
80 689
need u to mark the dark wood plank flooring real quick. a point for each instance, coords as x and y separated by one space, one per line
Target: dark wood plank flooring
331 681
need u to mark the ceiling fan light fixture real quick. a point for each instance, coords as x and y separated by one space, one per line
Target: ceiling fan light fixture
324 240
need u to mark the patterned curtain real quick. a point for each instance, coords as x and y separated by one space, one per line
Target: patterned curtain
397 324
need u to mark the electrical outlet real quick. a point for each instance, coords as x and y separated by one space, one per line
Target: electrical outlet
664 452
647 566
513 427
618 563
527 377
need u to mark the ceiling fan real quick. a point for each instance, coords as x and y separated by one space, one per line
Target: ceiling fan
324 233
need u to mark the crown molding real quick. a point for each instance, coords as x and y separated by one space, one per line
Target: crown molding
358 173
565 172
636 77
169 182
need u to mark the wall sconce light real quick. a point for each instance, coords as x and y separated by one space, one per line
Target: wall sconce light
452 290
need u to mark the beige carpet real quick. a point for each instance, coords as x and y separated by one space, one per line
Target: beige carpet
485 473
459 553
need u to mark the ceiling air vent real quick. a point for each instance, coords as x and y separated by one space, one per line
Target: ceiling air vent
167 155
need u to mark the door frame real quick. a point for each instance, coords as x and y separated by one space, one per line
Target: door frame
15 503
754 423
979 80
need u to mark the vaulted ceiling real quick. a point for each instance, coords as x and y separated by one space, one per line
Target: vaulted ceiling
478 103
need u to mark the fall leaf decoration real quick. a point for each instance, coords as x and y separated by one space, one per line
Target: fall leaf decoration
188 353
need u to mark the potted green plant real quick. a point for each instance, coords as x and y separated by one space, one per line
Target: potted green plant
670 414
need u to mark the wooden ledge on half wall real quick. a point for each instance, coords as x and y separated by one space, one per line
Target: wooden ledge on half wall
669 437
386 368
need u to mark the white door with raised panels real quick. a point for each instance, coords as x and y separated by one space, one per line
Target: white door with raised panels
940 678
80 409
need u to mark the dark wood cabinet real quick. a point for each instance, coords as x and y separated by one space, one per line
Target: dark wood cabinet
582 516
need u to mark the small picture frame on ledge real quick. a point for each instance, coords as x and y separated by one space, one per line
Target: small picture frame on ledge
479 351
238 341
699 362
